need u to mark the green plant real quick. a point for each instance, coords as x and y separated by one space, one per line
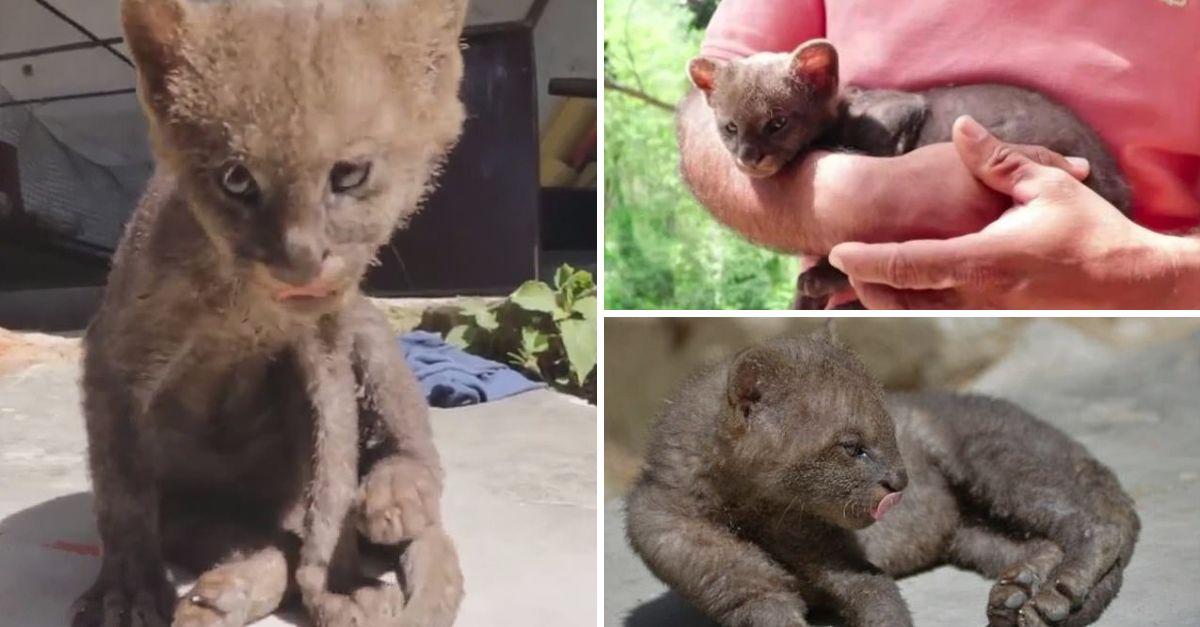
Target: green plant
662 250
547 331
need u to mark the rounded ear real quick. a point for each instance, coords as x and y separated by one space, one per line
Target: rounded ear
746 378
828 332
703 72
152 30
815 62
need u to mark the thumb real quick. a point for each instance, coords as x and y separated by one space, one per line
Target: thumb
1003 166
919 264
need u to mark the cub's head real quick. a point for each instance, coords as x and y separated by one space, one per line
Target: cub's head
302 132
804 427
770 107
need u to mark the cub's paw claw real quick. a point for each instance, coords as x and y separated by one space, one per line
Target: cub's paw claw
383 604
397 501
124 603
217 600
337 610
1021 597
1052 605
822 280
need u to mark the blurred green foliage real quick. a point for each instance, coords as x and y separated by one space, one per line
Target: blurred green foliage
662 250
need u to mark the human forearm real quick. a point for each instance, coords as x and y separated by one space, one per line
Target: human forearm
1182 272
827 198
791 211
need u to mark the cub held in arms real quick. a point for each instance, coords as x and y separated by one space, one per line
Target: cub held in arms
772 107
773 485
248 415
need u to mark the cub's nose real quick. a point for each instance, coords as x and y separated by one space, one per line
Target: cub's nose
750 159
896 480
303 256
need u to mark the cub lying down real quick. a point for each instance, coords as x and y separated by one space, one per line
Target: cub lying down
774 482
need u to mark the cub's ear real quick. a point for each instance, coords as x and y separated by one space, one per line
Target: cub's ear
747 377
152 30
828 333
703 72
815 63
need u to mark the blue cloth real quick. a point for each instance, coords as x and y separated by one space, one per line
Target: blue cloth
451 378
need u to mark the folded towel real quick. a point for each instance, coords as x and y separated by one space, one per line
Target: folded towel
451 378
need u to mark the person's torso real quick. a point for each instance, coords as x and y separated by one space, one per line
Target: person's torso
1127 67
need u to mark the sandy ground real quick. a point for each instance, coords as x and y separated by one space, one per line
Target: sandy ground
520 501
1137 411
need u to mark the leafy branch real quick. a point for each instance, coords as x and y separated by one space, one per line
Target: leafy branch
548 332
638 94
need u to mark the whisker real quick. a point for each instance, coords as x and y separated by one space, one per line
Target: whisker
779 521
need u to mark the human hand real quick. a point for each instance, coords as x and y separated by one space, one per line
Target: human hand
928 193
1059 246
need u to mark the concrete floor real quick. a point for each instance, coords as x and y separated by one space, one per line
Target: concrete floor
1138 412
520 502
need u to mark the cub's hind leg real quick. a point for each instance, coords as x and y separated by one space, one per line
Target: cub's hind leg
244 568
1053 489
1105 540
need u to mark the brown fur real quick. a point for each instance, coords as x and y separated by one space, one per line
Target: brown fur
232 429
757 499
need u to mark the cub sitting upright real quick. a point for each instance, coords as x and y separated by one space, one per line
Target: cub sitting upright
773 485
771 107
234 368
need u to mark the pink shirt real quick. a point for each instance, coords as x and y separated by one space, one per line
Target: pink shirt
1130 68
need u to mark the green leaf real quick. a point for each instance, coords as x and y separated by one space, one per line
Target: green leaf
585 306
457 336
562 276
473 306
534 296
534 341
523 360
486 319
579 340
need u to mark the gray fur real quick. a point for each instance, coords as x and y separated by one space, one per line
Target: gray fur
756 504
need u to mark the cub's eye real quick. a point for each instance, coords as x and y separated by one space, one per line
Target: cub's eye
346 176
854 450
731 128
237 181
776 124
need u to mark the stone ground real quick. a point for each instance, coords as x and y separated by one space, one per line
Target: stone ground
1137 411
520 501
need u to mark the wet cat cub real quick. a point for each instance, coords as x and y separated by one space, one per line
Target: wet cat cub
773 485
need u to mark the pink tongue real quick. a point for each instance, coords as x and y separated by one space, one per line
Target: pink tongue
312 290
885 504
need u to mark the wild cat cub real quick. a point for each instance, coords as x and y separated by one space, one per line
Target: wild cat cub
771 107
773 485
248 414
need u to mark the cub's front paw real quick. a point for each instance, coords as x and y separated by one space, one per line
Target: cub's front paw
398 500
822 280
369 606
132 597
217 600
336 610
1021 597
